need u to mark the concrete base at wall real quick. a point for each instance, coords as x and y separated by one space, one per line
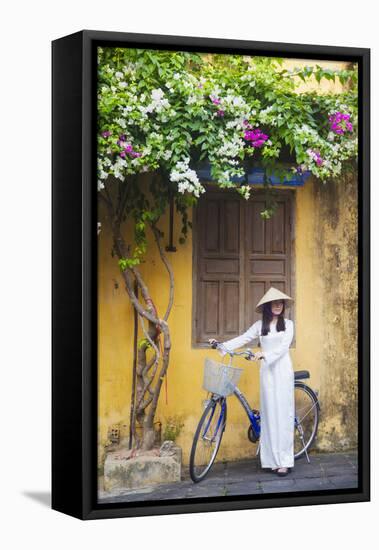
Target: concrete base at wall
126 469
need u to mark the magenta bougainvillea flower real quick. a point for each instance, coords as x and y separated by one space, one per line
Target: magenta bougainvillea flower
121 141
106 134
340 123
220 112
315 155
300 169
127 148
256 137
215 100
129 151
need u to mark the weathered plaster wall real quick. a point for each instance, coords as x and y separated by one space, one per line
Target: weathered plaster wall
325 246
327 304
336 206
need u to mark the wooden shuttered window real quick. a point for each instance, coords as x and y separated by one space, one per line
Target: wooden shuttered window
237 257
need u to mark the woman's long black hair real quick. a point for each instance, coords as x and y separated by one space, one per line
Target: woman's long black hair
267 317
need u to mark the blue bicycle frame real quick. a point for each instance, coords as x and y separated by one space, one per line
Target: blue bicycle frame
254 417
220 420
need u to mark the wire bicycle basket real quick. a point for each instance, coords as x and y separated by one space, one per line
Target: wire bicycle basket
220 378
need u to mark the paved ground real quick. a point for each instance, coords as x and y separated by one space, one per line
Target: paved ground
325 471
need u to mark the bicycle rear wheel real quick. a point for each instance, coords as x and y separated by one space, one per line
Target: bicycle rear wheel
207 439
307 412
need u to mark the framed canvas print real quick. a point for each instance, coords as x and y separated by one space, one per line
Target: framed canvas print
210 274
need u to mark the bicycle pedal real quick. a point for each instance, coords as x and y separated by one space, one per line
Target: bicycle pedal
252 436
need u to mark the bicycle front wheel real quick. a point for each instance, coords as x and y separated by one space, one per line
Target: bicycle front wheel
207 439
307 411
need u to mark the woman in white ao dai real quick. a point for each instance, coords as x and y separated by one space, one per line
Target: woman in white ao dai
276 381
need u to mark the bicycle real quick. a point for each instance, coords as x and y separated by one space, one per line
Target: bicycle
220 381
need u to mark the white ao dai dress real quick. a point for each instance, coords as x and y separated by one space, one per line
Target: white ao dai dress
276 393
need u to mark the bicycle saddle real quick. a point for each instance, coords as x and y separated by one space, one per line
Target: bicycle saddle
300 374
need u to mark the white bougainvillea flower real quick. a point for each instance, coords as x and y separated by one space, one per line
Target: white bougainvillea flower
245 191
186 178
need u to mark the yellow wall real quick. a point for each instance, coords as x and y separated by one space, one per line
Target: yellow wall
325 246
326 86
325 312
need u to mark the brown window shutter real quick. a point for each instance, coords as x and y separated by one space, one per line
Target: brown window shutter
219 276
239 255
268 251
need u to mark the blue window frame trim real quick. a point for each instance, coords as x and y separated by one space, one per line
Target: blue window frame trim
256 177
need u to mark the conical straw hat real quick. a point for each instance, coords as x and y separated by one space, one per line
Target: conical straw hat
271 295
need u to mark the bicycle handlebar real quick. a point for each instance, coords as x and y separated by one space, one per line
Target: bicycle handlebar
249 355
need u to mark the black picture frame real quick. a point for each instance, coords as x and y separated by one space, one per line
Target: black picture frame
74 306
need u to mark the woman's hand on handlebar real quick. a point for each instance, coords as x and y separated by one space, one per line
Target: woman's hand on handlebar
248 354
213 343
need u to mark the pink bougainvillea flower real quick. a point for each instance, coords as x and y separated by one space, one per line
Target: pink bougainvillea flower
128 149
300 169
315 155
215 100
258 143
256 137
106 134
220 112
340 123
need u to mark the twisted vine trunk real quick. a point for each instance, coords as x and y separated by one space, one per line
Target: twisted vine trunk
148 432
150 373
142 366
149 377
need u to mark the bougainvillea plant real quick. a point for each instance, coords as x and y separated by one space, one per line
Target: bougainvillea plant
164 112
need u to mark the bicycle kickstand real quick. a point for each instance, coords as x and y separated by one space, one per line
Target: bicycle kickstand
305 450
300 429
